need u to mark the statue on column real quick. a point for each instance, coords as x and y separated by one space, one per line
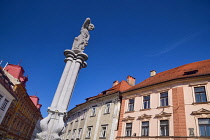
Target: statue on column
53 124
82 40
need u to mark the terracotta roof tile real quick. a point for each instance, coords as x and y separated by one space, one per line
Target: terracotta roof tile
122 86
188 70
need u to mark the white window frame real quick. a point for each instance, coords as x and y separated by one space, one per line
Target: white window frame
131 105
89 129
130 130
79 133
4 104
143 128
164 98
199 84
103 131
83 114
166 128
77 117
107 108
69 132
148 102
194 93
203 124
93 111
73 134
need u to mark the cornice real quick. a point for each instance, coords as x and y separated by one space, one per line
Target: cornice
144 116
128 118
98 101
163 114
169 84
200 112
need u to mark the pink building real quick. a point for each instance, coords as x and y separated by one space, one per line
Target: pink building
171 105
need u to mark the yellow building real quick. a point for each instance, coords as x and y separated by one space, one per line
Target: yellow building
24 112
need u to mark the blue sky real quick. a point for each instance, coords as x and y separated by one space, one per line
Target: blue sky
131 37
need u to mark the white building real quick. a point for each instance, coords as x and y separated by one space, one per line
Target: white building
97 118
6 94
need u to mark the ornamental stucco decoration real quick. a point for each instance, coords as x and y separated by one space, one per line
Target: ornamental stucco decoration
200 111
128 118
163 114
144 116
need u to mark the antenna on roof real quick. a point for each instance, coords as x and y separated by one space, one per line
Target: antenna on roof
5 65
20 62
1 61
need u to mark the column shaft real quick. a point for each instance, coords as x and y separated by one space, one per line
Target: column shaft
61 84
65 87
71 84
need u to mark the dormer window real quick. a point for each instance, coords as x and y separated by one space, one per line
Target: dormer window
190 72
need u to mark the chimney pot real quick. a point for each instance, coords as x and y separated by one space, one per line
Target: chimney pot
131 80
115 83
152 73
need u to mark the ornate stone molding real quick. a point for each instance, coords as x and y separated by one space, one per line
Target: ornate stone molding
200 112
163 114
128 118
144 116
198 83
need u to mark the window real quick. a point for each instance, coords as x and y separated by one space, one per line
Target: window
145 129
3 106
131 105
78 115
73 134
1 97
164 128
128 129
200 94
107 108
88 134
69 132
93 112
204 126
164 99
103 131
84 113
79 133
146 102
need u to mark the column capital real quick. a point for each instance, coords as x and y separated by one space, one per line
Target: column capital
82 56
69 53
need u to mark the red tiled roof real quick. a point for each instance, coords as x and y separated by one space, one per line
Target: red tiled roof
122 86
188 70
17 72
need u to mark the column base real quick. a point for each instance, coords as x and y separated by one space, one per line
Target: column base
51 126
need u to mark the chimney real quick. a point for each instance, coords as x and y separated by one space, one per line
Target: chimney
115 83
152 73
131 80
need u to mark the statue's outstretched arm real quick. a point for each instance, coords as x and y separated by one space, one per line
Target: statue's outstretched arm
86 23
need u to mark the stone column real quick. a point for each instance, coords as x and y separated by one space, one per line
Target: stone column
69 59
53 124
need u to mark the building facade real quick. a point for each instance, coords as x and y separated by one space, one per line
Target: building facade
171 105
97 118
24 112
6 94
